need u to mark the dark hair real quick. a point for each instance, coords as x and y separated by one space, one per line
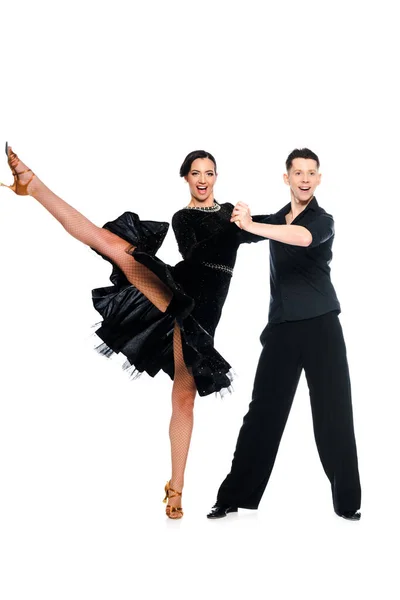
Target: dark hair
187 163
300 153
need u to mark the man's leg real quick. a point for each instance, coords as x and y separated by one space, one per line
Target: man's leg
275 384
327 373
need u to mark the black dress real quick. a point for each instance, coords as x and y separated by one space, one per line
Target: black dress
132 325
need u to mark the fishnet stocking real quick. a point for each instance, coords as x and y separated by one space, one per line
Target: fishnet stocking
181 425
105 242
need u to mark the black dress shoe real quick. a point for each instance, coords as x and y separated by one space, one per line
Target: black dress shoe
219 511
350 515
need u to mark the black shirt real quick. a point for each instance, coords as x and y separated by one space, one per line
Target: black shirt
301 286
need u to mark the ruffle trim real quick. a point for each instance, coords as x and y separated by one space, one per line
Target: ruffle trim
101 348
133 373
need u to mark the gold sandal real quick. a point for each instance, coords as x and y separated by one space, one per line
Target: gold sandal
173 512
13 162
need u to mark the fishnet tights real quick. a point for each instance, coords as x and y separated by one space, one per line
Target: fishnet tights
181 425
115 248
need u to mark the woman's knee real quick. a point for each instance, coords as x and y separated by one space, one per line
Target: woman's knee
114 247
183 400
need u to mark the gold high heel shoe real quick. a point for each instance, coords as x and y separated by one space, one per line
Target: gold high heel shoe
13 161
173 512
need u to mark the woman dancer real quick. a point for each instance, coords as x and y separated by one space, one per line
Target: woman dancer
158 316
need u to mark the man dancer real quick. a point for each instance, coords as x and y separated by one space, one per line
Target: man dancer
303 332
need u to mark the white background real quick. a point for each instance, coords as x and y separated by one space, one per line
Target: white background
104 100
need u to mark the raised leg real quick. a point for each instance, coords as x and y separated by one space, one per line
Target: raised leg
99 239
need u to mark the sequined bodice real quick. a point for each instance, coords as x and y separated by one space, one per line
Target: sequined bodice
207 236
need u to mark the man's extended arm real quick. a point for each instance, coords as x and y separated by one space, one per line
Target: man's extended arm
295 235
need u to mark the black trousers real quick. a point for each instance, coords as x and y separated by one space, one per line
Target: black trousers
317 346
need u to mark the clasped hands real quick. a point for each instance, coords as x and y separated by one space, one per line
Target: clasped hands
241 216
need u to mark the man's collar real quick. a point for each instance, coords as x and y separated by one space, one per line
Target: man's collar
312 205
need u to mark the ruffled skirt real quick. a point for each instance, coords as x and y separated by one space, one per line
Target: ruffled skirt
133 326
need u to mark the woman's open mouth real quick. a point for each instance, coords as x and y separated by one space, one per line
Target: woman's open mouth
202 189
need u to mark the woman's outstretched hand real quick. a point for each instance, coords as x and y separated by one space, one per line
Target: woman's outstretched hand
241 216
